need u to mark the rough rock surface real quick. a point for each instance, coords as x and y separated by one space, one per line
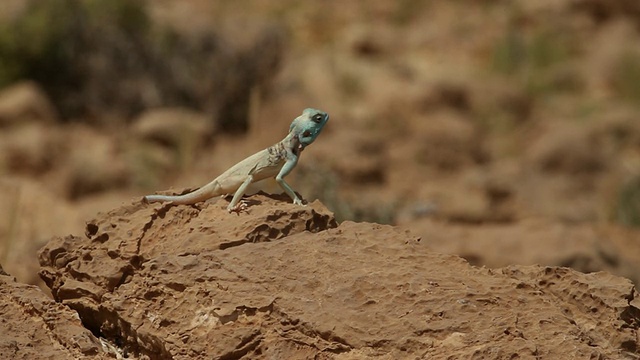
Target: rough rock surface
34 326
583 247
283 281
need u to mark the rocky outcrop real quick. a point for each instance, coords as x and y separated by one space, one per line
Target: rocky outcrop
34 326
283 281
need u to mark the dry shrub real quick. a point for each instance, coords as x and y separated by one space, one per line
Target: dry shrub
106 59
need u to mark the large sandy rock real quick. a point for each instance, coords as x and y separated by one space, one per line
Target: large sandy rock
34 326
95 163
25 102
31 148
174 126
284 281
29 216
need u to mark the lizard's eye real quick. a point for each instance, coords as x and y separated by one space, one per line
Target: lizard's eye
317 118
306 133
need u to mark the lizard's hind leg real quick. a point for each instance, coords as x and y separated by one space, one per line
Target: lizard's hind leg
202 194
233 205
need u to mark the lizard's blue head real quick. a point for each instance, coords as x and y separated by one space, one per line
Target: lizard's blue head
308 125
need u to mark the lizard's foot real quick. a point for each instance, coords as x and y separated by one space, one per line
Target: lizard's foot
238 208
298 202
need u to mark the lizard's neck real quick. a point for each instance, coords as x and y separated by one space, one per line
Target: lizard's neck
292 143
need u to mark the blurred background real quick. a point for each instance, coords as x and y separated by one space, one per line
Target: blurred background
506 132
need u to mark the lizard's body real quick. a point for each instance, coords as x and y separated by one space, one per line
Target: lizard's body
275 161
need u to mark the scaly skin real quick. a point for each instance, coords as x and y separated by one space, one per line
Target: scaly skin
275 161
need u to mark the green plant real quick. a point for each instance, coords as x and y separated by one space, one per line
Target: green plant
534 58
128 15
105 60
34 44
626 77
627 206
509 52
53 41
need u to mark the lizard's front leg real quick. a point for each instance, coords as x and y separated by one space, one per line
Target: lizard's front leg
286 169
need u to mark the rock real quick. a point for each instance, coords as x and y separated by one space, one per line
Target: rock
572 171
284 281
601 10
174 126
35 327
584 247
25 102
444 95
95 163
173 134
566 148
448 143
29 216
11 9
31 148
368 41
363 157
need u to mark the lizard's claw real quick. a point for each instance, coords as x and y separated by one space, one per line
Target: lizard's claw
240 207
298 202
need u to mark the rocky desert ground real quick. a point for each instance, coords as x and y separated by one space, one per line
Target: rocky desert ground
475 194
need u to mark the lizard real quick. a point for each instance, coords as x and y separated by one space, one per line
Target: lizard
276 161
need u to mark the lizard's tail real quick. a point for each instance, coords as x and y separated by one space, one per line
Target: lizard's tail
204 193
